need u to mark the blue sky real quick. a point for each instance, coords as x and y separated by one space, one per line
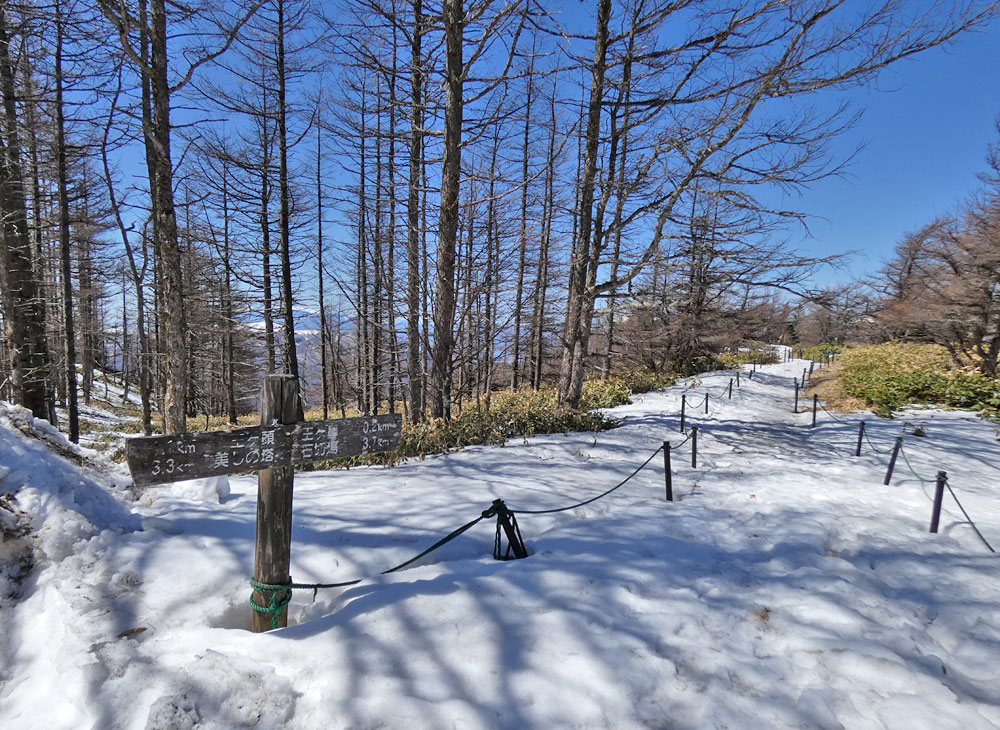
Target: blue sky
926 127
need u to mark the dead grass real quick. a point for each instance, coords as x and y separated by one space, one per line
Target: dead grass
826 383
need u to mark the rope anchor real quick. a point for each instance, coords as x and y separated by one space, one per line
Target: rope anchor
506 525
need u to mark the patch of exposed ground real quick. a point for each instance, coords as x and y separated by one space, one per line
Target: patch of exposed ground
826 383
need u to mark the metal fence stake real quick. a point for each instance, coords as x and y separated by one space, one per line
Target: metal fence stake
892 460
942 478
667 477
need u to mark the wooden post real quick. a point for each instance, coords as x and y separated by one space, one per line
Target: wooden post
942 479
667 477
892 460
279 403
861 435
694 447
796 396
730 389
683 406
815 403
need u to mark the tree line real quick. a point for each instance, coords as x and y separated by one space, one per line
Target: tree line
409 204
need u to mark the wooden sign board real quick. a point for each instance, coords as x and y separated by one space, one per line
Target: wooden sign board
161 459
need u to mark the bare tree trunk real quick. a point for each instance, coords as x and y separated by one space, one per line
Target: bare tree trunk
577 332
266 279
229 357
519 291
138 276
542 271
390 269
161 174
64 235
363 351
291 354
453 16
324 335
490 282
378 276
23 309
414 361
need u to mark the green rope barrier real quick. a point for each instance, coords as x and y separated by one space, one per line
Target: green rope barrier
912 470
971 523
873 447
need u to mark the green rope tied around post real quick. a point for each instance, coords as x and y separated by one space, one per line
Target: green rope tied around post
274 605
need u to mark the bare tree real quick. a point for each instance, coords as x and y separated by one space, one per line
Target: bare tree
23 308
711 110
143 38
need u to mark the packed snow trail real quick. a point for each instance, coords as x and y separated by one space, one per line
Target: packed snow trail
784 588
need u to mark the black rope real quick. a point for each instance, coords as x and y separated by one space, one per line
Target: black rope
873 447
841 420
274 588
602 494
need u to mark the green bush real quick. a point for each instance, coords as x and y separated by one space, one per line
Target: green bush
746 356
521 412
893 375
816 353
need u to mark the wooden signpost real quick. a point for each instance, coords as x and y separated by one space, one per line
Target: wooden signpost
162 459
272 449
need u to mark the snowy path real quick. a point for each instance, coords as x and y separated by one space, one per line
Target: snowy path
785 588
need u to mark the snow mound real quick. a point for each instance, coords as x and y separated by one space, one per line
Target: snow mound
58 487
208 489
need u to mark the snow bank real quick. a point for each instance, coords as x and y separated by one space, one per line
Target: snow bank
208 489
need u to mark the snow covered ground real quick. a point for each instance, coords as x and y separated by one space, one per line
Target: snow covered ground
786 587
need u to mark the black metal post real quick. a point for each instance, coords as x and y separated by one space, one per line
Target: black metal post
513 534
803 377
861 435
796 396
892 460
683 406
942 479
706 404
694 447
812 364
730 389
737 378
667 477
815 403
